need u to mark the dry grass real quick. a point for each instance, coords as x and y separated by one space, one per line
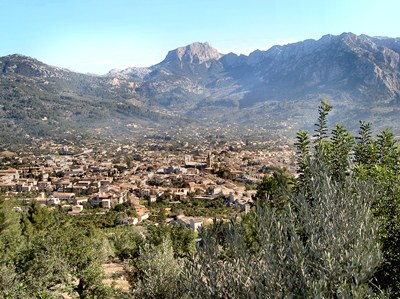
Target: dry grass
115 273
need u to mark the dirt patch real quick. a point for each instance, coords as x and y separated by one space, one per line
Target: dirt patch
115 274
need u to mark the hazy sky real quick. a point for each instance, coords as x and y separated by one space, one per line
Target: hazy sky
96 35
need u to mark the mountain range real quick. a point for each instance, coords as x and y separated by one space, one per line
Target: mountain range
198 87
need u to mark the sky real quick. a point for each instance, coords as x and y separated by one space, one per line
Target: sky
94 36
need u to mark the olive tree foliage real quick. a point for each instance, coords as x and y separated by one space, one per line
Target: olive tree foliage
158 272
334 236
126 242
373 159
378 159
324 248
9 287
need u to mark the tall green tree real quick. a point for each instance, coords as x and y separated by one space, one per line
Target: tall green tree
340 150
303 156
274 190
388 150
321 131
181 237
125 241
364 151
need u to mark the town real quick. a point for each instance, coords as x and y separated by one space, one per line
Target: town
190 185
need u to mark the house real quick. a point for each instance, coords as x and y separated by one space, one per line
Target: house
196 223
44 186
183 220
192 222
84 183
75 210
106 203
53 201
129 220
26 185
66 196
8 175
64 185
105 182
214 190
143 217
7 186
80 200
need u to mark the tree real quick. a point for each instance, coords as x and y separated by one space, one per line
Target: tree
274 190
364 151
49 255
376 161
303 156
327 248
340 150
12 244
9 285
388 151
385 174
126 242
322 127
158 272
181 237
10 232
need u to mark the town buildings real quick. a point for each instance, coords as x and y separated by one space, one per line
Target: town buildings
106 176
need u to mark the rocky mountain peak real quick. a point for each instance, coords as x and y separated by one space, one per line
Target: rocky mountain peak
27 66
196 53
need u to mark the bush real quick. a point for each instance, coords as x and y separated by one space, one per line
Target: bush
158 272
326 247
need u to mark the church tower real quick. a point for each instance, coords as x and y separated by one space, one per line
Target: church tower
209 159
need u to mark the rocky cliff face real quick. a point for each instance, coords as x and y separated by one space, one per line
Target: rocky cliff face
346 63
358 74
196 53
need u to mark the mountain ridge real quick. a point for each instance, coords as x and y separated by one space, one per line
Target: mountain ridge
358 73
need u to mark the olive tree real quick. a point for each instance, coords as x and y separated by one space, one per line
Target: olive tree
324 248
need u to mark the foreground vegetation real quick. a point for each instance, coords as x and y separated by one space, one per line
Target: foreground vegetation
333 232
